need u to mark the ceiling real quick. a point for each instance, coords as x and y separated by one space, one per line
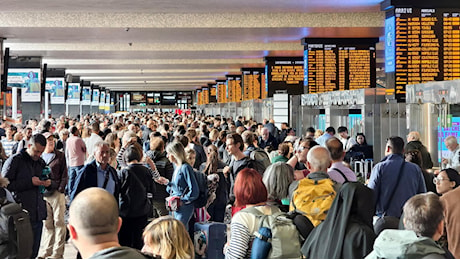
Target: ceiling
175 44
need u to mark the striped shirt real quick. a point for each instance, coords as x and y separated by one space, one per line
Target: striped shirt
8 146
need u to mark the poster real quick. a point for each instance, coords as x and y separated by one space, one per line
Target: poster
95 100
29 82
73 94
102 100
86 97
55 86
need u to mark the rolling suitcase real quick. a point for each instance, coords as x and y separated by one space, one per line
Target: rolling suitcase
209 240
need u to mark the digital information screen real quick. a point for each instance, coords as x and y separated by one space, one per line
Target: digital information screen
339 64
427 45
285 74
253 81
221 86
205 95
199 97
234 91
212 92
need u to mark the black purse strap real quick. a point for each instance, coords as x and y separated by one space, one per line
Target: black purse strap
394 189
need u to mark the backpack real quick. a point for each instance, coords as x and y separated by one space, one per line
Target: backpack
202 181
16 145
16 237
285 239
260 160
313 198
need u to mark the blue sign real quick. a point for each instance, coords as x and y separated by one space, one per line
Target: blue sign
390 49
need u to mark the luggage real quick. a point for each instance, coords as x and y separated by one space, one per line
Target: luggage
16 237
209 240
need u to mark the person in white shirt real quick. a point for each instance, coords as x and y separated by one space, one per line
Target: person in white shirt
454 158
91 141
345 138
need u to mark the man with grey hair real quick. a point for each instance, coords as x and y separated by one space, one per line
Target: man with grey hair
453 161
97 173
94 225
424 224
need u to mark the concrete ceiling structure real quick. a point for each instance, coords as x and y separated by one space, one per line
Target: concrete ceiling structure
175 44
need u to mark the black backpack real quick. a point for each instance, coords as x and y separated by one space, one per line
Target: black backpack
16 237
202 181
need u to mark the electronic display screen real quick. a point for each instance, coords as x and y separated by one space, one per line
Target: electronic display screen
221 91
285 74
138 97
234 90
427 42
168 98
339 64
252 83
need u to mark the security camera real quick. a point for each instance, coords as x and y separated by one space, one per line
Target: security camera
130 44
127 29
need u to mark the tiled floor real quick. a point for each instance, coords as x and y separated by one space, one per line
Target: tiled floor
70 252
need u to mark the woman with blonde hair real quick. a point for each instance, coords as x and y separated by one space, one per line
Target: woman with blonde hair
167 238
183 188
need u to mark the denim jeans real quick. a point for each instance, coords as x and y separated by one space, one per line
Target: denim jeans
37 230
184 214
72 172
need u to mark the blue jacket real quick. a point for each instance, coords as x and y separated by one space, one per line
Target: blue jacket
384 179
19 169
87 178
183 178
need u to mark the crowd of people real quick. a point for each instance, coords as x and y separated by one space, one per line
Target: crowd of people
125 186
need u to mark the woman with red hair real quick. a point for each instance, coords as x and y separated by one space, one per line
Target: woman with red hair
249 192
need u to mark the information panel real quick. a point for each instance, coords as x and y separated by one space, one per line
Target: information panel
253 81
234 91
339 64
212 92
205 95
221 91
426 42
199 97
285 74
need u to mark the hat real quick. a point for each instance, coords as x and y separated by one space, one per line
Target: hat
47 135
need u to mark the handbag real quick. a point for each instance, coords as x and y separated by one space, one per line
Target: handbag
389 222
173 203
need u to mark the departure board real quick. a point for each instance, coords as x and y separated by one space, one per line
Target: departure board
252 83
221 91
205 95
339 64
234 88
212 92
426 43
199 97
284 74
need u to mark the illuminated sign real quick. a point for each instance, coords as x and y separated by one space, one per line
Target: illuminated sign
285 74
427 44
253 82
339 64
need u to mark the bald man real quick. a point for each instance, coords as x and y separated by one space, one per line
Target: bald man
318 160
94 224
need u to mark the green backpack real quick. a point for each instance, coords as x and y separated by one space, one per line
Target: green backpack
285 237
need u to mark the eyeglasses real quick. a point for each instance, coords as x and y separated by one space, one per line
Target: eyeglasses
437 180
301 148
